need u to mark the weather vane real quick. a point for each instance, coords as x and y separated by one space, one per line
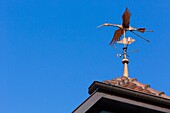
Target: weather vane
125 41
125 27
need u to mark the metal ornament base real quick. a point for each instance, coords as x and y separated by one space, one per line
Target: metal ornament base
125 41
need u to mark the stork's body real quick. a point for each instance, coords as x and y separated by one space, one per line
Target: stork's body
123 28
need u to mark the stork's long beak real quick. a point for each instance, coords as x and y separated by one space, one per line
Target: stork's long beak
100 26
105 24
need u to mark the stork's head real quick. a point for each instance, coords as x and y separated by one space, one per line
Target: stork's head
106 24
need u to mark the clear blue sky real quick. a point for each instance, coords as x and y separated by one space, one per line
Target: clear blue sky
51 50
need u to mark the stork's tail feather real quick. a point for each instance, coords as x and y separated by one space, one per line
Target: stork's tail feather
142 30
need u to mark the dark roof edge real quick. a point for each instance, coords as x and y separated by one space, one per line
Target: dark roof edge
147 97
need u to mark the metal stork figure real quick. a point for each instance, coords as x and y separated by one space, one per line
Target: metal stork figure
124 27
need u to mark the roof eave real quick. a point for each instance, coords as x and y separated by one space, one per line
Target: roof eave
99 86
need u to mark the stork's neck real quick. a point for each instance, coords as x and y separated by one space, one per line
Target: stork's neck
119 26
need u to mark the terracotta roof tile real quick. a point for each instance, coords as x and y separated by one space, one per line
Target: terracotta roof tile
133 84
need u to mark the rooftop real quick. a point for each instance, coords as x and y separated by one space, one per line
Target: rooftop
133 84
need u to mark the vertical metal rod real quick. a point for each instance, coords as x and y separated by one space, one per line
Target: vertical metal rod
124 32
125 61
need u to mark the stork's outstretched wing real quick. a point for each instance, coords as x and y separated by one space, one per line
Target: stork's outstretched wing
126 18
117 35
